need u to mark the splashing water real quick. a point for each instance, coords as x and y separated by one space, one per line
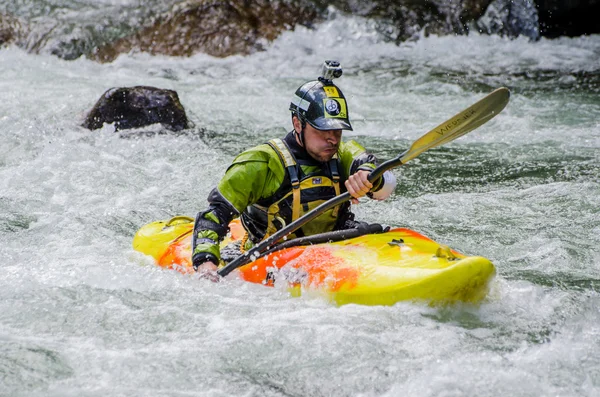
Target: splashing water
81 314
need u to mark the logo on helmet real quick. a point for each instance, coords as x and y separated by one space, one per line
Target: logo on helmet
332 107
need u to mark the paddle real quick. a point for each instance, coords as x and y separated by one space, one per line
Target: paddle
462 123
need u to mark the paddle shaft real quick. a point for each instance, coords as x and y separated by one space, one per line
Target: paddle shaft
462 123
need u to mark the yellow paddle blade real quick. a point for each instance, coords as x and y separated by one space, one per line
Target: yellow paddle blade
465 121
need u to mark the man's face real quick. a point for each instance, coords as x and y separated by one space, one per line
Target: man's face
321 145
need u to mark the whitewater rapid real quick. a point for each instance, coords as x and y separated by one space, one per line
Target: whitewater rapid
82 314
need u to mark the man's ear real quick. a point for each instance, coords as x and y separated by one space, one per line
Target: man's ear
297 124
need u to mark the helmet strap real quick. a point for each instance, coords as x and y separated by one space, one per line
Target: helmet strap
301 133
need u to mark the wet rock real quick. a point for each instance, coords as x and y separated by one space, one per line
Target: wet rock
237 27
218 28
134 107
511 18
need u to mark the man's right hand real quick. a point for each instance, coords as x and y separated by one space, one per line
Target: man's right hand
358 185
208 270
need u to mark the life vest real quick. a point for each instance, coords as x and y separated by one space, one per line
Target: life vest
291 202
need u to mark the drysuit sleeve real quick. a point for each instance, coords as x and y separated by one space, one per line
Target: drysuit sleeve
354 157
252 175
210 228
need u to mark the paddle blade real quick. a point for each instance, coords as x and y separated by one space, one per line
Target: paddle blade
462 123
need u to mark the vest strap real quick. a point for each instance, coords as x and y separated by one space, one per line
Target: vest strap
335 177
291 165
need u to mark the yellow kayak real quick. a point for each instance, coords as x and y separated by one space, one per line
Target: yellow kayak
373 269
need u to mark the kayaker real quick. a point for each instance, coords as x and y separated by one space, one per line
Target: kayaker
275 183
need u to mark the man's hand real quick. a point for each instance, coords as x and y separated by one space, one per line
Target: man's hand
358 185
208 270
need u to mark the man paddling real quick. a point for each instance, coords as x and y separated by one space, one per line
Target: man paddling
273 184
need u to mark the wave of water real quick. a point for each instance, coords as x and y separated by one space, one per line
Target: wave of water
81 314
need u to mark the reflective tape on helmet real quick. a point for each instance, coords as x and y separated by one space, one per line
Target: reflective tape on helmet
301 103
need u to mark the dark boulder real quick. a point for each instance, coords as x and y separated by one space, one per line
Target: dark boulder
134 107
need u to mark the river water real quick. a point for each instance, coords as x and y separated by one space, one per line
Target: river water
82 314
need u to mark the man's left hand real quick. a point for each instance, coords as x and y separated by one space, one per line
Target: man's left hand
358 185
